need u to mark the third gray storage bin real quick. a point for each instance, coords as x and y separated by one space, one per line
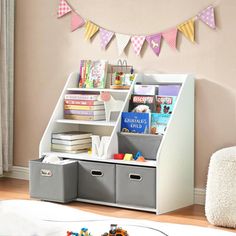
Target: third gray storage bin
136 186
96 181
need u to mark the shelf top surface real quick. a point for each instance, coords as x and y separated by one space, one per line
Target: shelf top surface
87 122
99 90
86 157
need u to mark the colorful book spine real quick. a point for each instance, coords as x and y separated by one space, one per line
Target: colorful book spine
82 102
87 108
84 113
81 96
86 118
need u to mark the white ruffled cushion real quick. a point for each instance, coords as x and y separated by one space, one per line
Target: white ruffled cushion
220 204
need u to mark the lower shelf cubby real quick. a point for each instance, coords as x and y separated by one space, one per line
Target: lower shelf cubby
96 181
136 186
148 144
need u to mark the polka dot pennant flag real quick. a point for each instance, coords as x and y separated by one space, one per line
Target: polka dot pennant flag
90 30
187 28
76 21
154 42
170 37
137 43
208 16
63 8
105 37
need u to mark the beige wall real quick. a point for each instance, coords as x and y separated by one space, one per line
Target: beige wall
46 52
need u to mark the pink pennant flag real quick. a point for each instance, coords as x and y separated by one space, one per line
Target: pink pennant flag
208 16
105 37
76 21
63 8
154 42
137 42
170 37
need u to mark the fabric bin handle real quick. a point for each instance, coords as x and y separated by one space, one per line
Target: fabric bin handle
96 173
135 177
46 173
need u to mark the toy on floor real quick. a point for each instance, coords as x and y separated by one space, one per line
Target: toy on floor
83 232
116 231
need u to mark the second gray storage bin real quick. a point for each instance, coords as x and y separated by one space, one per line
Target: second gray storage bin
136 186
96 181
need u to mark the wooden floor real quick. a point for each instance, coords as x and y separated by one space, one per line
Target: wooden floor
193 215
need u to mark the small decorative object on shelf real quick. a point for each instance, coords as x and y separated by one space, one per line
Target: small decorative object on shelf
111 105
122 75
99 146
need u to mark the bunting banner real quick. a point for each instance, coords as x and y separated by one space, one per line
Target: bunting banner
105 37
76 21
208 16
63 8
90 30
122 41
137 43
154 42
187 28
170 37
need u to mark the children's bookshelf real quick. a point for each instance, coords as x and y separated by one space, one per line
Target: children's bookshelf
166 180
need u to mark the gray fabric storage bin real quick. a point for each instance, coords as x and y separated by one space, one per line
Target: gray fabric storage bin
96 181
53 182
136 186
146 143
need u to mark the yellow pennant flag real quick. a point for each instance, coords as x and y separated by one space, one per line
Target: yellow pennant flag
90 30
187 28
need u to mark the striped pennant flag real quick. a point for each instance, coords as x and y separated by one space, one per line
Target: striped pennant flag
76 21
170 37
208 16
63 8
90 30
187 28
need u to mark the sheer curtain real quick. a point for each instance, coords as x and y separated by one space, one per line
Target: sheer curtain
6 83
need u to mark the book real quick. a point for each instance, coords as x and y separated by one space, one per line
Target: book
96 74
71 147
84 112
87 108
82 74
77 96
135 122
145 89
70 151
165 104
147 103
169 89
71 142
159 123
71 135
83 102
88 118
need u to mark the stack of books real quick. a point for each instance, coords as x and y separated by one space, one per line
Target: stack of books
83 107
71 142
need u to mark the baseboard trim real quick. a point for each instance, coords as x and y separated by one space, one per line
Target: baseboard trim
19 172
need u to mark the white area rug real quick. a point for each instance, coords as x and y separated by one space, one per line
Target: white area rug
36 218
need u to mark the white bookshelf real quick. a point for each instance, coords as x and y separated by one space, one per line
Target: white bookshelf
174 160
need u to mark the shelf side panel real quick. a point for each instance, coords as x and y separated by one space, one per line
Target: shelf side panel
175 157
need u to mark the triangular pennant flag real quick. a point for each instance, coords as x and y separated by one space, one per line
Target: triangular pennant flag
137 42
154 42
187 28
122 42
76 21
90 30
63 8
170 37
105 37
208 16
